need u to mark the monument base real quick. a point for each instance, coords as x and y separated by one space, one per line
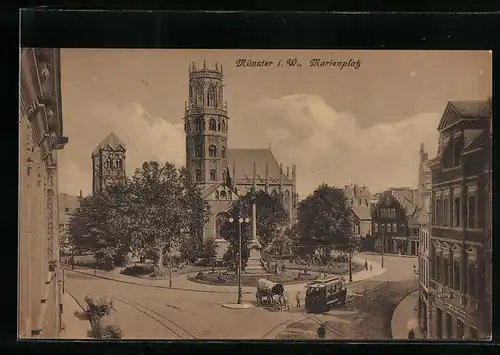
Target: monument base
254 265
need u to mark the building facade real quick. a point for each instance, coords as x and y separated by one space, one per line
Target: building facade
395 219
460 252
108 162
40 136
425 189
225 174
359 199
67 207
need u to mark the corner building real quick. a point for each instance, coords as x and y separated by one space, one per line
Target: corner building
460 253
40 137
213 164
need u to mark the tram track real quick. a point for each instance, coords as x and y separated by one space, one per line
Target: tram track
367 294
165 322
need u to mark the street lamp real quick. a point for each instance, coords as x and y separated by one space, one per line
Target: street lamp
240 222
350 258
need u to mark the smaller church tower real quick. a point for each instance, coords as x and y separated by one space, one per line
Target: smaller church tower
108 162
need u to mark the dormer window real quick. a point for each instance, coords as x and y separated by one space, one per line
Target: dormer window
452 150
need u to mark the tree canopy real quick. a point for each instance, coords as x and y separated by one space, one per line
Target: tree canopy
324 222
145 214
271 221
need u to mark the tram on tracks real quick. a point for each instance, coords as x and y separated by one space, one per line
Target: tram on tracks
324 294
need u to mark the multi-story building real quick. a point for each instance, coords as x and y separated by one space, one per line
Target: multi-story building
425 189
40 136
67 207
396 221
459 292
358 198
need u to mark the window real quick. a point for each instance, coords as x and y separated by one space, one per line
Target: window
456 275
352 201
199 96
456 212
212 125
219 126
224 176
439 325
199 125
471 211
216 195
472 280
394 227
437 268
375 227
66 209
223 195
393 211
223 124
198 175
106 164
197 150
446 272
213 175
212 151
449 332
119 163
211 97
460 329
229 195
223 152
446 215
187 127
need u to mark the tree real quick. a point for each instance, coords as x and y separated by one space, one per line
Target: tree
230 232
209 252
324 221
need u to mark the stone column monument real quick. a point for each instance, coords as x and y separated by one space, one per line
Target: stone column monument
254 261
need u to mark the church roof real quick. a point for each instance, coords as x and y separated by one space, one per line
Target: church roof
472 109
112 141
242 160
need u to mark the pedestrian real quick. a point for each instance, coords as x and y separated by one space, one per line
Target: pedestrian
366 265
298 299
411 334
322 331
371 267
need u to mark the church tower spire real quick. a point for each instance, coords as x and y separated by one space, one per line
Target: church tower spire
206 126
108 162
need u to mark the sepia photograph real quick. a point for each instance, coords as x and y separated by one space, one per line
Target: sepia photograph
196 194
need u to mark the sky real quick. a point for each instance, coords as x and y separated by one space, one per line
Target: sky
358 124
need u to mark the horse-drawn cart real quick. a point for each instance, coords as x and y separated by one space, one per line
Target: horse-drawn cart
266 290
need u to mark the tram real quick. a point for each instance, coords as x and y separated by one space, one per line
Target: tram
324 294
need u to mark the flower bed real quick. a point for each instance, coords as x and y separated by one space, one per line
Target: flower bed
231 279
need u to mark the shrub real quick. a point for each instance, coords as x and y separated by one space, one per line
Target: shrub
138 269
98 307
112 331
157 273
105 258
342 259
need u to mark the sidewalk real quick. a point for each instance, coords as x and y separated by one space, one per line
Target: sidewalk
391 254
405 317
74 328
181 282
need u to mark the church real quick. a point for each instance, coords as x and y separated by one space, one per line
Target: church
223 174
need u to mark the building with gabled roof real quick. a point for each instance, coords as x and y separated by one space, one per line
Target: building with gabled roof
459 297
225 174
359 199
108 162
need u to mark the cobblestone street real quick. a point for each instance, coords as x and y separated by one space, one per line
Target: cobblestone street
148 309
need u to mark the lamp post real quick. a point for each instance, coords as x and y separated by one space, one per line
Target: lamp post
240 222
383 247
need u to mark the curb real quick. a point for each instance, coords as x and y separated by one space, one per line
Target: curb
157 286
397 305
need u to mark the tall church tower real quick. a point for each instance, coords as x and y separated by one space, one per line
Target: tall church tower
425 179
108 162
206 125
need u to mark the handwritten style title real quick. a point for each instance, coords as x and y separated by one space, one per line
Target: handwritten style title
293 62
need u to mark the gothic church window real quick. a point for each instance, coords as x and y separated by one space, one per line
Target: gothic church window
106 164
199 96
216 195
197 150
213 175
212 151
229 195
199 125
119 163
223 152
212 125
198 175
223 123
211 97
223 195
